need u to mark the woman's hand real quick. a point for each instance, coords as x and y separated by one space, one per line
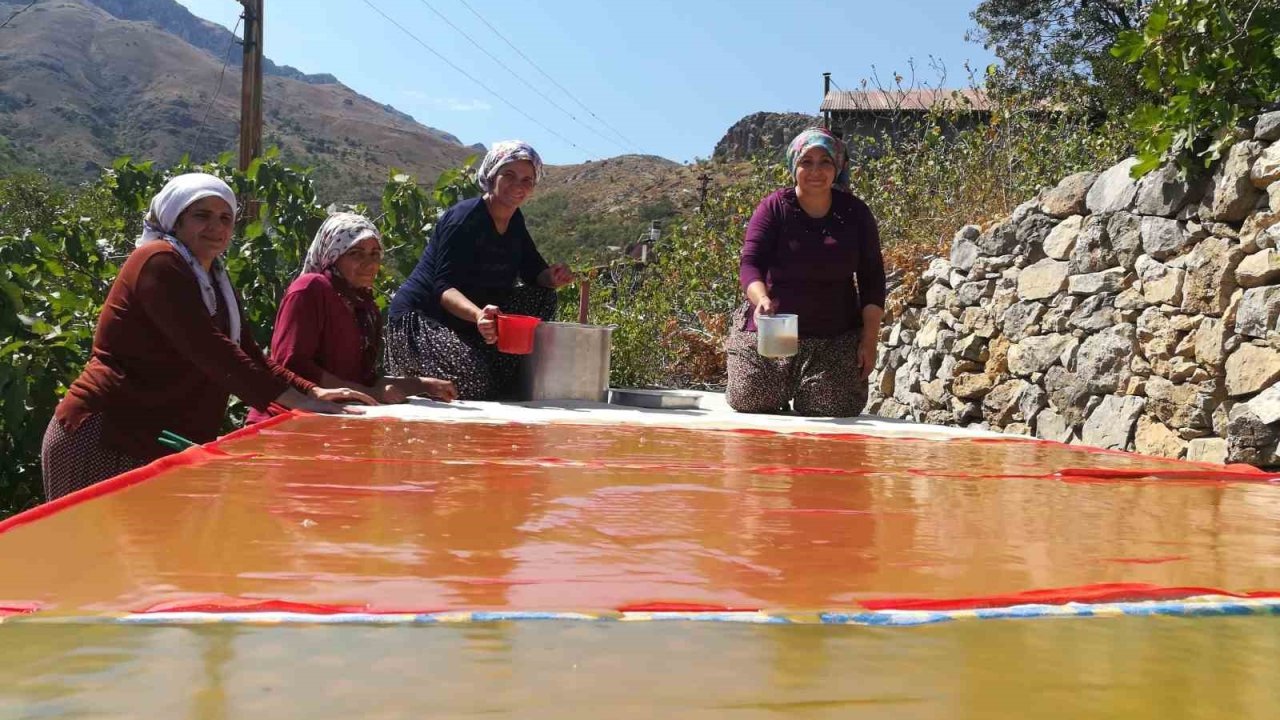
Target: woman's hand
313 402
341 395
437 389
556 276
391 393
487 323
765 306
868 348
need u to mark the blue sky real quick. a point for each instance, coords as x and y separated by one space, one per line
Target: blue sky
665 77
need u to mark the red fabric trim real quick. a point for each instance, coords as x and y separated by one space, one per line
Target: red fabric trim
257 427
1099 593
218 604
9 608
190 456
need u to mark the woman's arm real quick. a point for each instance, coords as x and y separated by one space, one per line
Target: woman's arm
757 254
872 291
485 318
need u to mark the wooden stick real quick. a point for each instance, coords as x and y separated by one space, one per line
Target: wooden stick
584 298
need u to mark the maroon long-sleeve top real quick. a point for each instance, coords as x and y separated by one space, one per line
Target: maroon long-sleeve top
317 331
809 264
161 362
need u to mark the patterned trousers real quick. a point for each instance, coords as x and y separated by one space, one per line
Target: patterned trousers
418 345
820 380
71 461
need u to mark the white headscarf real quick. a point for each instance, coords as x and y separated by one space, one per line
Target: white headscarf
157 225
504 153
339 233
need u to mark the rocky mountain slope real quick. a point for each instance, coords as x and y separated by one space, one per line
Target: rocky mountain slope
80 86
764 133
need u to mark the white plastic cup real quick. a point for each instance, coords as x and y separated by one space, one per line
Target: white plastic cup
777 336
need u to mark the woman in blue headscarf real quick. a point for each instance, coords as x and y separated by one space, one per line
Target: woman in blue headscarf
443 319
813 251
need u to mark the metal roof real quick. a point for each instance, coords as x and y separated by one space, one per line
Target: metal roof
905 100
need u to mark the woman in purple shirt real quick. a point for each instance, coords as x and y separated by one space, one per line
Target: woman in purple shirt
813 251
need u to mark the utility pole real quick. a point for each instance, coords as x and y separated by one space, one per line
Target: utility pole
251 84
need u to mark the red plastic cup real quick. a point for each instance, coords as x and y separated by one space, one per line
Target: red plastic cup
515 333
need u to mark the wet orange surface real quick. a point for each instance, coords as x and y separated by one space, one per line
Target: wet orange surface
431 516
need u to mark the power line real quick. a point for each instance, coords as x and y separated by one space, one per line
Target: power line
16 13
548 77
517 76
468 76
226 61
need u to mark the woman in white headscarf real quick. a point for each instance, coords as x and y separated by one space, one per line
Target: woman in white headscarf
170 347
443 319
329 329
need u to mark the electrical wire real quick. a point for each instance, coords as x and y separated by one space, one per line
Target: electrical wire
468 76
517 76
16 13
225 62
548 77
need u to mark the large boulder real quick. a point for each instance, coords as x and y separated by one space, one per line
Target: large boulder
1259 311
1068 198
1162 192
964 247
1093 251
1114 189
1260 268
1251 368
1231 193
1153 438
1267 127
1103 359
1266 169
1163 238
1036 354
1211 276
1042 280
1111 425
1062 239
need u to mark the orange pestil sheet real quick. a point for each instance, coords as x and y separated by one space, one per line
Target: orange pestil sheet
326 514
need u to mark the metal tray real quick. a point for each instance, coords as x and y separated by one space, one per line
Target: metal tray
660 399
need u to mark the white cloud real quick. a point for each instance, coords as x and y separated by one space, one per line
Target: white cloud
449 103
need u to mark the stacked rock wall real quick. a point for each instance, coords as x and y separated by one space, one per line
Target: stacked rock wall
1137 315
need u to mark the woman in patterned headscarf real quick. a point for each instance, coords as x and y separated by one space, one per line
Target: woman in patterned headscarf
170 347
328 328
814 251
443 318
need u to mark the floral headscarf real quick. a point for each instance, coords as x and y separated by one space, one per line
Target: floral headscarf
503 153
817 137
339 233
157 225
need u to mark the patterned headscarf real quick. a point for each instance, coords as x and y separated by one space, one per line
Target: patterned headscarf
157 225
339 233
503 153
817 137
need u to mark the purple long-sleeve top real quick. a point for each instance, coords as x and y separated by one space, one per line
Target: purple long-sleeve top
809 264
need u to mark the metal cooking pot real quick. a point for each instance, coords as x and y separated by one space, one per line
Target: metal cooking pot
570 361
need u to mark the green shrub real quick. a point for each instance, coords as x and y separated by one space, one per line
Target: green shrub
59 253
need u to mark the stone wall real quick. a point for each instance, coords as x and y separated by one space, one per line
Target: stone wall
1137 315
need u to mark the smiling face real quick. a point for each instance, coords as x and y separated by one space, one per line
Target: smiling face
205 227
359 266
514 184
815 171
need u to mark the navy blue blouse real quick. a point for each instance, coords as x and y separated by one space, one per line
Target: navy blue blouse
466 252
